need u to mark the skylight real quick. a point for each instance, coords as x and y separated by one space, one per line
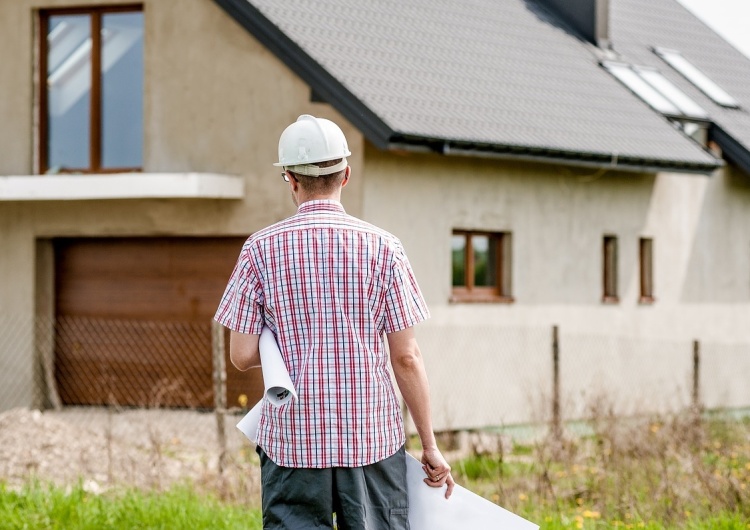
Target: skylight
671 92
656 90
675 59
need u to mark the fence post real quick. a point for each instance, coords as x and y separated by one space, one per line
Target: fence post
45 343
696 377
556 420
218 349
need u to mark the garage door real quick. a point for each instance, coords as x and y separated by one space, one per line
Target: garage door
134 321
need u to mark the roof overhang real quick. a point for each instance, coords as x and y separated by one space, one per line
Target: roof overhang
121 186
732 149
611 161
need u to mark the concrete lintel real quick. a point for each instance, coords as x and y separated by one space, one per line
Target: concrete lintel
121 186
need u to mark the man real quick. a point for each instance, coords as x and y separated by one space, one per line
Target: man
329 285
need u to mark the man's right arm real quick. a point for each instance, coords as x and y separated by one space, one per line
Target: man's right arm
243 350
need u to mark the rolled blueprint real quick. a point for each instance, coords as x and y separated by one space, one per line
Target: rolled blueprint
276 380
278 385
248 425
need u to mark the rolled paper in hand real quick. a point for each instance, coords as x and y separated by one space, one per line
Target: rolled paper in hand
276 380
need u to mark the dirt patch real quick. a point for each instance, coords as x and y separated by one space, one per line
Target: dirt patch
148 449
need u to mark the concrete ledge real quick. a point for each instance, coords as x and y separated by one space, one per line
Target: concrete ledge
121 186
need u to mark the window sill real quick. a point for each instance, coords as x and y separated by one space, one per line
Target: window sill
68 187
465 298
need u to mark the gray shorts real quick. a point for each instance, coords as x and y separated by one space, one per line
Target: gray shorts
371 497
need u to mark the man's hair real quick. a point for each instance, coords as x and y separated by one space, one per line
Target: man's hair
324 184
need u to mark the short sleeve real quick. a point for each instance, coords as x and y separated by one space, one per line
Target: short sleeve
405 305
241 306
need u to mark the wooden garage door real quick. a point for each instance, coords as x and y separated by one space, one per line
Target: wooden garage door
134 321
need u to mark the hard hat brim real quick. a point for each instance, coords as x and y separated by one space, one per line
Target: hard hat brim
311 170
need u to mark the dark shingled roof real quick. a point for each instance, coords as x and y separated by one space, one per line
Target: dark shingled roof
640 25
501 77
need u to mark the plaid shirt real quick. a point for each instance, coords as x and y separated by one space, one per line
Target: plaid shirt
328 285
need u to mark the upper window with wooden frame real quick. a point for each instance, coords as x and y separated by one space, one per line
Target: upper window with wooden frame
481 266
91 96
646 262
609 270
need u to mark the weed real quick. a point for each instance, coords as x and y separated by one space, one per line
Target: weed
649 472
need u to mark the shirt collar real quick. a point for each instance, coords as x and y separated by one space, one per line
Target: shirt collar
321 205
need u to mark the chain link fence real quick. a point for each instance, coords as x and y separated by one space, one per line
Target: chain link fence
167 388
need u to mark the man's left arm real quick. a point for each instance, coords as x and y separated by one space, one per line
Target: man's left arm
408 367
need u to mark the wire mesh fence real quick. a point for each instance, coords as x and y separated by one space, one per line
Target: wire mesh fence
167 389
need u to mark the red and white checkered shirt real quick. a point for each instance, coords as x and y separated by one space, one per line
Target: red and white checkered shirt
328 285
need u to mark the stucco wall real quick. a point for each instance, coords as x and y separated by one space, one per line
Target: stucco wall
215 101
558 216
17 365
639 356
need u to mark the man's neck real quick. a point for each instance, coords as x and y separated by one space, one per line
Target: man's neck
307 197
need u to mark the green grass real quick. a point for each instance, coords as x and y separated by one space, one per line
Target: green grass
47 507
718 522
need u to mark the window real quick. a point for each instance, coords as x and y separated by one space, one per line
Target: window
687 106
646 259
610 270
704 83
656 90
481 264
92 101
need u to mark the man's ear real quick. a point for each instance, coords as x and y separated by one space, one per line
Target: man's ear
293 183
347 174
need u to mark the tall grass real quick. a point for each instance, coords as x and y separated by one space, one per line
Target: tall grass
679 471
39 506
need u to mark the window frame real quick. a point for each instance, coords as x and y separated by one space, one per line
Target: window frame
502 291
95 110
646 270
610 293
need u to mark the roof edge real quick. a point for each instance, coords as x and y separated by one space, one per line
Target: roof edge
611 161
300 62
732 149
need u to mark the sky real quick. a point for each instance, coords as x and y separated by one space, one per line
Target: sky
729 18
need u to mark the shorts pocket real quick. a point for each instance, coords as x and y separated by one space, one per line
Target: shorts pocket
399 519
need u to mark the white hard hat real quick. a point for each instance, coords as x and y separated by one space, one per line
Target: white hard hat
310 140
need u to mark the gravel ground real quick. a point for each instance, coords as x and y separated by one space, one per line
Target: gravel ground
149 449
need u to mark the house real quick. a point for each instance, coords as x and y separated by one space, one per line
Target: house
545 162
